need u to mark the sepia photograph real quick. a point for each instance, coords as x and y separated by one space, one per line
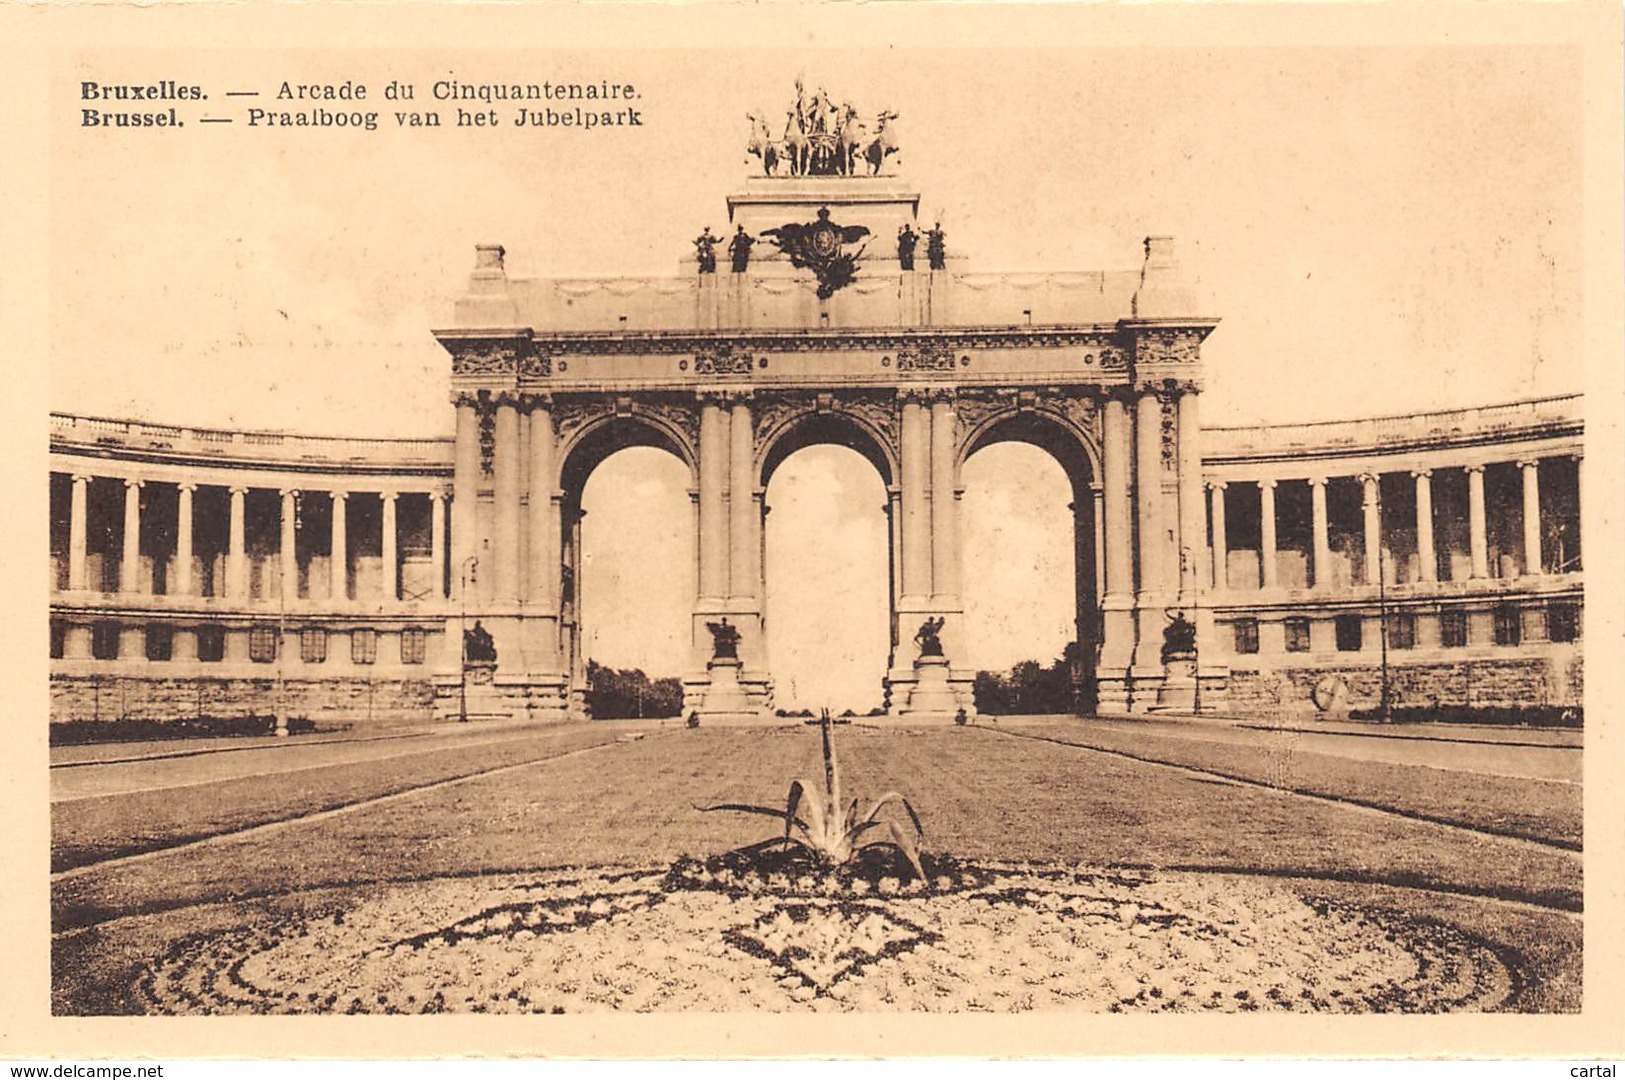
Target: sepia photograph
823 519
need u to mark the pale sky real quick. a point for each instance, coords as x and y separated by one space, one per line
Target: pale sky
1380 230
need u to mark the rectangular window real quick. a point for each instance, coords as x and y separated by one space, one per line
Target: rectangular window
104 640
313 646
262 644
1349 631
363 646
1563 621
1508 625
1246 635
1297 635
59 640
160 642
1402 631
211 644
412 646
1453 629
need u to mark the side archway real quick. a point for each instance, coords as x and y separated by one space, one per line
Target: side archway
634 472
1072 494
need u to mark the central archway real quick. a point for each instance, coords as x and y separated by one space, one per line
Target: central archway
829 619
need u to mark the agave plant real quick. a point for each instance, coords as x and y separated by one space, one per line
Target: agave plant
831 829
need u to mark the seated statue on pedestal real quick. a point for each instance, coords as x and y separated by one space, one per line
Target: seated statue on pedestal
724 640
478 648
1178 638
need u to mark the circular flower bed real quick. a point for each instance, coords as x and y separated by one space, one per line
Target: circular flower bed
722 936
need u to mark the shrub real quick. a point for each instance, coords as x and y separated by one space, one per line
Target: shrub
85 732
832 831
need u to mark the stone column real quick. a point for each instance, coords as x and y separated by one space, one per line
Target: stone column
1371 505
1192 506
183 541
894 537
1148 490
944 503
545 558
392 568
236 555
437 542
713 481
1266 533
1531 517
1426 557
916 536
1321 529
505 523
78 514
338 565
1221 542
465 493
744 546
1097 523
129 574
1477 532
1114 452
290 543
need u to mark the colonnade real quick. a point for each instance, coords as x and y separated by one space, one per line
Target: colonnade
235 585
1372 531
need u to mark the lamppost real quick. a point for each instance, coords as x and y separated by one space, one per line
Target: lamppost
1374 504
469 570
281 634
1196 639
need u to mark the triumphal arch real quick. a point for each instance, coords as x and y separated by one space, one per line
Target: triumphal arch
828 311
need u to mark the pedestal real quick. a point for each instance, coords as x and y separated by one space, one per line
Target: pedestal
931 698
479 693
724 700
1178 690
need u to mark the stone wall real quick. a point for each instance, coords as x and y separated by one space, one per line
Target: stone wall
1497 682
352 700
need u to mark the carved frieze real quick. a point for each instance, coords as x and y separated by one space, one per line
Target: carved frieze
680 414
1100 341
1081 410
485 358
976 407
878 411
572 415
536 366
927 356
723 359
1167 347
773 410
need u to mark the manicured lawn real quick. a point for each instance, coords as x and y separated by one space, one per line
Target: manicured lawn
1536 809
980 794
87 830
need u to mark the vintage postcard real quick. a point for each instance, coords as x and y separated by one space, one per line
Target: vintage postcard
847 530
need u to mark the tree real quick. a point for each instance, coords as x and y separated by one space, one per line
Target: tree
624 694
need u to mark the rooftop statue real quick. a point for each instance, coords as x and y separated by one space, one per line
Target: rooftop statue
822 138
